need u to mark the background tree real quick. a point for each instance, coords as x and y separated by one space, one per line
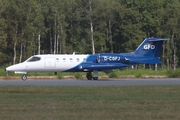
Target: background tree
170 26
93 26
3 34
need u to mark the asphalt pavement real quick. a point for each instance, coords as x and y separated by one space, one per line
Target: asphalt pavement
110 82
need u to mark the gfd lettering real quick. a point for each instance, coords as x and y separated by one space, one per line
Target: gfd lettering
147 47
111 58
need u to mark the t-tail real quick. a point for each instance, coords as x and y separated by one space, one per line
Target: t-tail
149 51
150 47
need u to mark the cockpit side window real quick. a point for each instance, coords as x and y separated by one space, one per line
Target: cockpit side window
33 59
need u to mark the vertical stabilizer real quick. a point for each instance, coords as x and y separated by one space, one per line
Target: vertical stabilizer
150 47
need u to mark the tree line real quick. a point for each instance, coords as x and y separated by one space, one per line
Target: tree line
86 26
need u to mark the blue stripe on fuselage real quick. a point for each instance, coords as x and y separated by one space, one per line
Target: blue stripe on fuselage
92 63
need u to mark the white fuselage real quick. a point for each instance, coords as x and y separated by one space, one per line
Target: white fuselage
48 63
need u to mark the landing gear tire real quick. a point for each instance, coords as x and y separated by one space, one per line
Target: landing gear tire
24 77
95 78
89 76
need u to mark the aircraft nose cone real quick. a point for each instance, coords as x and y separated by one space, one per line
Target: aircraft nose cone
6 69
10 68
16 67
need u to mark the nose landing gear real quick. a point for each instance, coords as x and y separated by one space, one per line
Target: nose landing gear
24 77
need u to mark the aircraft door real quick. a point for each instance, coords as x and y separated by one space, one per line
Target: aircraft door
50 62
100 59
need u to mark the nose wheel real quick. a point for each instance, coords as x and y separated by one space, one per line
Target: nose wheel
24 77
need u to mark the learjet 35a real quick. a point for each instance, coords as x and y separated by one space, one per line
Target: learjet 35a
148 52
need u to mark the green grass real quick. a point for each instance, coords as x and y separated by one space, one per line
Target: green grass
137 73
89 103
173 73
143 72
115 74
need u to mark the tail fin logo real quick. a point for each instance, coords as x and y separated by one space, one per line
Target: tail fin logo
149 46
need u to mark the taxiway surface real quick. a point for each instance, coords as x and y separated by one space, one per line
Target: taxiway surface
123 82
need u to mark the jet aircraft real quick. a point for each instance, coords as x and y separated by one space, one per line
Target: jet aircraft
148 52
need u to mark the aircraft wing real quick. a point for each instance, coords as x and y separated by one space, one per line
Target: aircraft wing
102 66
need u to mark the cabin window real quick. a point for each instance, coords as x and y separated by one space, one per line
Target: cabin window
77 59
64 59
71 59
84 59
33 59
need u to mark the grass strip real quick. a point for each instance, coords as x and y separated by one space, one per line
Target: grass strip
90 102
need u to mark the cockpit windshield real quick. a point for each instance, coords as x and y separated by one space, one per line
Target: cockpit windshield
33 59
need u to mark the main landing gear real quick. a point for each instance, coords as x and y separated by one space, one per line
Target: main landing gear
24 77
94 77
